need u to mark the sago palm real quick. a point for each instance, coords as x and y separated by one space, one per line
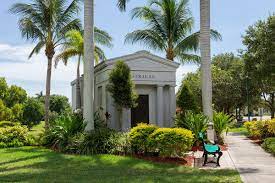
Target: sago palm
74 46
168 29
47 22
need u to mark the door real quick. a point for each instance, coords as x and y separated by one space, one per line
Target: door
140 114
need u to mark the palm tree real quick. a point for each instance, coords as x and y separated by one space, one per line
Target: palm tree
88 93
47 21
88 110
169 27
74 46
206 78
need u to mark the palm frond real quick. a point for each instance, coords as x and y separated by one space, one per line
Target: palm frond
188 58
148 37
122 4
65 55
37 48
103 38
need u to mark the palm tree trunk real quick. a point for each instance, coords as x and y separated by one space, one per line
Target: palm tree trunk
206 78
88 102
48 92
78 91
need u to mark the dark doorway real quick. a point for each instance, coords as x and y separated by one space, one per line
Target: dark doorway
141 112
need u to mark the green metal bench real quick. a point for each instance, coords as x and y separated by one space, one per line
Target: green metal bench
210 149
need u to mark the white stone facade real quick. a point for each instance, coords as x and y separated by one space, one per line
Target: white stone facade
155 80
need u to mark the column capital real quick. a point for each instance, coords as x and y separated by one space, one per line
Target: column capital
160 85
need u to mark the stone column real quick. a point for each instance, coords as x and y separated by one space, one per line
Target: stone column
160 111
126 120
172 107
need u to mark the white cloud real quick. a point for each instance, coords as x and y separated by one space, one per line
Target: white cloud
31 73
17 68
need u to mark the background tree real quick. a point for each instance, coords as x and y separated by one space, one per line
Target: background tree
229 87
3 88
33 112
74 46
169 26
16 95
121 88
47 21
186 99
259 57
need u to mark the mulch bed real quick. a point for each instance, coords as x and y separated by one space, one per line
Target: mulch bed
256 140
186 161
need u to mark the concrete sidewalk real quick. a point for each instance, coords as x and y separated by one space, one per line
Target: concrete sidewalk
252 162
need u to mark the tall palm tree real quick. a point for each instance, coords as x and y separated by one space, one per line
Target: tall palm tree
169 27
206 78
88 93
74 46
47 22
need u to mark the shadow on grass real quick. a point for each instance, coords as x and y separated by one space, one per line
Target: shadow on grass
41 165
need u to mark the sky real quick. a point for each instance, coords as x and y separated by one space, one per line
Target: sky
230 17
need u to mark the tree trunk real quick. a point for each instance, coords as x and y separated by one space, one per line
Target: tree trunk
272 107
88 96
48 92
78 91
206 79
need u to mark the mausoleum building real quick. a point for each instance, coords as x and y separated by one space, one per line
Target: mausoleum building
155 81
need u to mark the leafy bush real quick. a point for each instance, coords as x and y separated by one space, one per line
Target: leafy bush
120 143
33 112
269 145
13 136
8 124
252 129
139 137
62 129
172 141
271 127
93 142
221 121
195 122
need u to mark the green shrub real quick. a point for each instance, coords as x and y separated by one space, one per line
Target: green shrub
120 143
172 141
269 145
33 112
93 142
260 129
13 136
8 124
271 127
195 122
139 137
62 129
221 121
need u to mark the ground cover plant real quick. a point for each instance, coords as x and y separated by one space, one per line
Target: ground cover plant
31 164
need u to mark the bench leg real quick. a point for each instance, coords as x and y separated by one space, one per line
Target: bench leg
218 160
205 159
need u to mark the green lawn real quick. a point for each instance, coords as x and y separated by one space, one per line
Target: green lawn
242 130
32 164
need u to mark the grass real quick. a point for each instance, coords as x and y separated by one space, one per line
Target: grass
32 164
241 130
